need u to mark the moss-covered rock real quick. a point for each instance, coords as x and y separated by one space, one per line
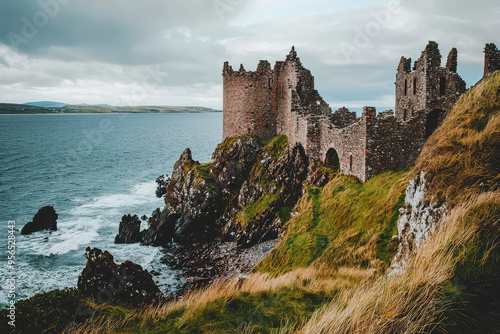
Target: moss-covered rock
237 196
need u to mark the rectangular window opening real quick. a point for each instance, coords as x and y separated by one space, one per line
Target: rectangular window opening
442 86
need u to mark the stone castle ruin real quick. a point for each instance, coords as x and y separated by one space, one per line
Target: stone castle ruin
282 100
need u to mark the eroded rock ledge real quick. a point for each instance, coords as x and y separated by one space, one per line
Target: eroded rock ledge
417 220
242 195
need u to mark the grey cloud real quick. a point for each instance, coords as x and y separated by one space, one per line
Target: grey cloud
128 32
118 43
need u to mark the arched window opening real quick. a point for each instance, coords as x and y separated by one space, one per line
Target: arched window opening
414 86
332 158
406 87
350 163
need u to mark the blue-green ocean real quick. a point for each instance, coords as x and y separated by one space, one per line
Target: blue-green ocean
93 169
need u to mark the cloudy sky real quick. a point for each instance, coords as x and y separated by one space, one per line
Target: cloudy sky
166 52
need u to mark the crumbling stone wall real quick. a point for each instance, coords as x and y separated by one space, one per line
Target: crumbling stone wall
284 101
392 144
349 143
491 59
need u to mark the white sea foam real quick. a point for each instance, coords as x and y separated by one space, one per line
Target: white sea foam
91 205
140 194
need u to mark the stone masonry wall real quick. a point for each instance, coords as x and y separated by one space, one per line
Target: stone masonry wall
247 102
349 142
491 59
284 101
392 144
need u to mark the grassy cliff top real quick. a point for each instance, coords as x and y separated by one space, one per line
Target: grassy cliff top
462 157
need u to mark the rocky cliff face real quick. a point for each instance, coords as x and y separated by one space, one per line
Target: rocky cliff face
243 195
418 219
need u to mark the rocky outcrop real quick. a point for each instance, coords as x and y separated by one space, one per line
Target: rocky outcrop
129 231
107 282
44 219
202 264
236 197
162 183
417 220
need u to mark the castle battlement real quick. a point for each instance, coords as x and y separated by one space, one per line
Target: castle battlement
283 100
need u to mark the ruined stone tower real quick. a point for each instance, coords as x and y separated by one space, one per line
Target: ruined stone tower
428 88
283 100
248 101
262 102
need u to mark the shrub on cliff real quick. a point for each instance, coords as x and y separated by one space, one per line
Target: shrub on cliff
48 312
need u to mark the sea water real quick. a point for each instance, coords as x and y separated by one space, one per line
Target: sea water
93 169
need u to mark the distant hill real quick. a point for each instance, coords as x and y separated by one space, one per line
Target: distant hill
89 105
46 104
11 108
134 109
46 107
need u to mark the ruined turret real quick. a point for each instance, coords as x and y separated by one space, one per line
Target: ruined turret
452 62
429 86
491 59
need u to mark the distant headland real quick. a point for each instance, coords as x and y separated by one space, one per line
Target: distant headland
46 107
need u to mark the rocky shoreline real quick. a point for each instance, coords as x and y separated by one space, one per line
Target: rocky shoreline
220 218
204 264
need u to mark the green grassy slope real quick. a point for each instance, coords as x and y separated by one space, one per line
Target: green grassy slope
346 223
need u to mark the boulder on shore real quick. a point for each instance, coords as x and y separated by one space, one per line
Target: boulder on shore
107 282
44 219
129 231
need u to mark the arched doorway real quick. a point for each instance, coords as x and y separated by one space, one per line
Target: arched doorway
432 121
332 158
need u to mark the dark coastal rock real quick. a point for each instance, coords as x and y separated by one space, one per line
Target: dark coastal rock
129 231
231 166
203 203
162 183
203 264
44 219
107 282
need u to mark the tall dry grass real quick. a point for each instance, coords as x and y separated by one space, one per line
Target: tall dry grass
411 302
315 279
462 157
